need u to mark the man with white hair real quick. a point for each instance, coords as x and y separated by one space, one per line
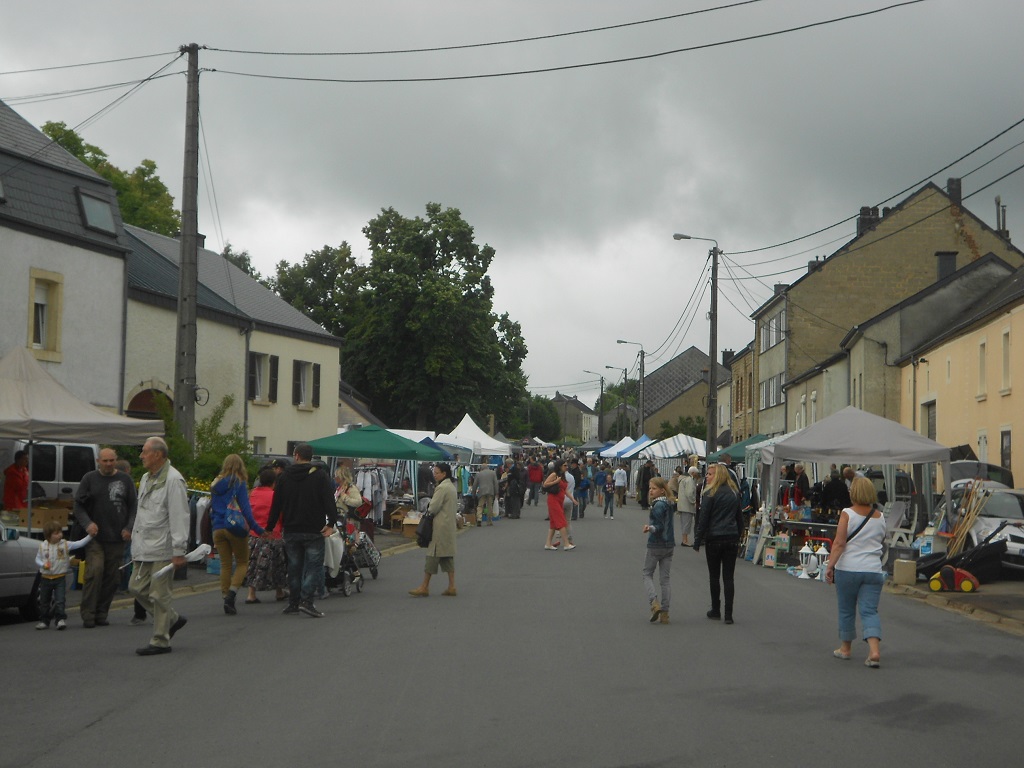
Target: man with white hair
686 504
159 538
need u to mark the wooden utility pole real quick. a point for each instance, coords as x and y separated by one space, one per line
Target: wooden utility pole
188 273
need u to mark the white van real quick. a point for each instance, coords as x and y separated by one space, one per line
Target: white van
56 467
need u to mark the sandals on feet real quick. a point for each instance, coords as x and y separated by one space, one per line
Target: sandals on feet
840 655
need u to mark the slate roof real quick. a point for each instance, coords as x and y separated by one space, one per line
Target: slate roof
237 289
40 180
574 402
676 376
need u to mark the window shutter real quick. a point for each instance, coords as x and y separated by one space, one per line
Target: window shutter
316 385
296 382
251 387
272 395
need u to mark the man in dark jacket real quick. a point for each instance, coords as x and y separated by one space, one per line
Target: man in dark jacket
105 506
304 500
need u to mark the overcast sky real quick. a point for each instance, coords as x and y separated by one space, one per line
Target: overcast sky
577 178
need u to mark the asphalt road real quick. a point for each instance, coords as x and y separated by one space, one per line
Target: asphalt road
544 658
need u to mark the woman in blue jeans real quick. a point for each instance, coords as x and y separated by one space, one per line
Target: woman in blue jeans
855 567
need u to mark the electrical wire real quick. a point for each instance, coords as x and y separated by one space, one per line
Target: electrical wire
86 64
654 352
492 43
94 116
35 98
568 67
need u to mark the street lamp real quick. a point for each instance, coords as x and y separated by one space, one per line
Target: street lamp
625 380
713 344
642 355
600 405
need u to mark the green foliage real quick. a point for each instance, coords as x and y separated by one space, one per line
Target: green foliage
421 338
212 442
534 416
242 260
143 198
325 286
687 425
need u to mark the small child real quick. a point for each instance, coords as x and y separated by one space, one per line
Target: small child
54 561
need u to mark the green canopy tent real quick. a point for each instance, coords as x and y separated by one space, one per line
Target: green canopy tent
738 451
373 442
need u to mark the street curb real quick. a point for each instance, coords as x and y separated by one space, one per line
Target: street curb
199 589
938 600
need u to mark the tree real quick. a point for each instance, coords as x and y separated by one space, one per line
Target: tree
325 286
534 416
143 198
424 341
241 260
687 425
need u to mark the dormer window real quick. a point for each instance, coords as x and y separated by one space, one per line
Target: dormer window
96 212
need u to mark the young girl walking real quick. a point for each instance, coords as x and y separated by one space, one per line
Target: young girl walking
54 561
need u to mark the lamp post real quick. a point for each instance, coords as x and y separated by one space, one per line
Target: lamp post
642 355
625 379
600 405
715 252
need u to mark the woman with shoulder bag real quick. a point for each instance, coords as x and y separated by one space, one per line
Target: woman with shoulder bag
855 567
231 520
661 544
441 550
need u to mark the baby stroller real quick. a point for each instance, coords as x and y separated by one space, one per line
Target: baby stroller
348 576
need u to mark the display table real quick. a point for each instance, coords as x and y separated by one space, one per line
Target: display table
816 530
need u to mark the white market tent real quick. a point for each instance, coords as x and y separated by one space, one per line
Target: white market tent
752 453
468 435
678 445
856 437
416 435
633 450
611 453
543 444
34 406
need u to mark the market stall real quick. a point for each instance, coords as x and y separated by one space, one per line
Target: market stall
851 436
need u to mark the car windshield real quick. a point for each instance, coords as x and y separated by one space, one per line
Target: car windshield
1005 506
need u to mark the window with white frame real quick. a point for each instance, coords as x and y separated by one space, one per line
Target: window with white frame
982 383
1006 361
262 378
46 301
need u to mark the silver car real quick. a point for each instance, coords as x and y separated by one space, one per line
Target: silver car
1003 516
18 573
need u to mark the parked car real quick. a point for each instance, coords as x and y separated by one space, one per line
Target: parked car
1003 516
19 575
905 489
968 470
56 467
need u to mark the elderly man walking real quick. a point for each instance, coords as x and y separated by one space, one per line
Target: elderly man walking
159 538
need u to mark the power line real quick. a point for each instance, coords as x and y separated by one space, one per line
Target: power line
653 353
925 180
488 44
86 64
567 67
34 98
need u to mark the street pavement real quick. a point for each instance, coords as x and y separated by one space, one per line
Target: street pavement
543 658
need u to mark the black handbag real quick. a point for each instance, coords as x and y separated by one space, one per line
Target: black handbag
425 530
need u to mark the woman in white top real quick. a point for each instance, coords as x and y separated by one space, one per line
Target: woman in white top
855 567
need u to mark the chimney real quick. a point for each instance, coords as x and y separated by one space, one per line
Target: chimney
1001 229
200 240
813 266
780 288
727 355
953 190
867 220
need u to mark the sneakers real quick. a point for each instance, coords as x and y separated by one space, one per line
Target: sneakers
548 546
61 624
664 618
311 610
229 603
570 548
291 608
181 622
153 650
42 625
137 621
612 517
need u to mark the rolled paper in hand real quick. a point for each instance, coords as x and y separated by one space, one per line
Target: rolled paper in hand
194 556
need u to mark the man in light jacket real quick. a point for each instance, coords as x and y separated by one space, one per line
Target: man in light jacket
159 538
485 486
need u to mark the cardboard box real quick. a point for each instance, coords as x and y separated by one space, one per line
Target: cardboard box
409 527
470 518
41 516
